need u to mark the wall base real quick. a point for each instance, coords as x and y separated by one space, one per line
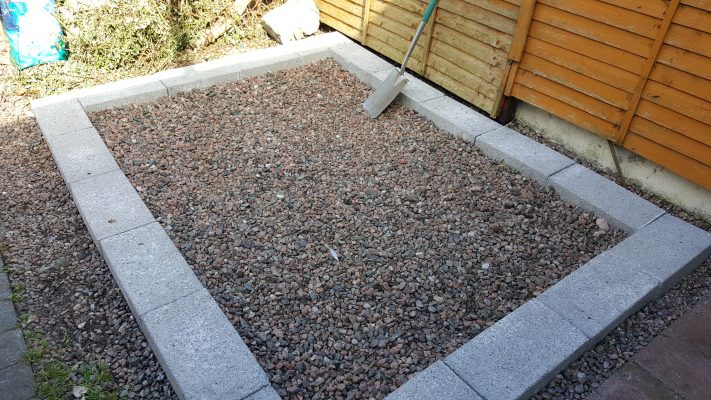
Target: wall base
635 169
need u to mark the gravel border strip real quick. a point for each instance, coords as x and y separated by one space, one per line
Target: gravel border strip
512 359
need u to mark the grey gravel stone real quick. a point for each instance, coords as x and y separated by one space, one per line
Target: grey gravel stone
81 154
200 350
148 268
593 192
109 204
531 158
434 383
12 346
59 115
602 293
16 382
515 357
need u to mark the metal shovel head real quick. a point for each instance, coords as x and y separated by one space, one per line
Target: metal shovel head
385 94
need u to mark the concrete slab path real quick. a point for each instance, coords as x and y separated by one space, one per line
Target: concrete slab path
16 381
676 365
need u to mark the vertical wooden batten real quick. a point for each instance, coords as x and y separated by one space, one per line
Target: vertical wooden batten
646 70
523 23
366 18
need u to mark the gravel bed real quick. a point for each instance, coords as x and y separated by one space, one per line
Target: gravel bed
581 378
348 253
70 303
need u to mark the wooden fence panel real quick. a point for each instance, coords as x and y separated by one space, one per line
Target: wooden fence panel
636 72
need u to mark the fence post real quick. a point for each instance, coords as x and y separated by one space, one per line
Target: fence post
518 43
364 26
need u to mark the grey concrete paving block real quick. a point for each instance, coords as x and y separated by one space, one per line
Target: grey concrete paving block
531 158
667 249
435 383
317 47
265 393
455 117
81 154
109 205
7 316
60 115
591 191
361 62
264 61
12 346
515 357
200 75
5 290
200 350
148 268
114 94
17 383
601 294
415 91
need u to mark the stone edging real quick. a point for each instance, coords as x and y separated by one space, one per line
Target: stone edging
200 350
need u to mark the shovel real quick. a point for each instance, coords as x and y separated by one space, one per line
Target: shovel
393 84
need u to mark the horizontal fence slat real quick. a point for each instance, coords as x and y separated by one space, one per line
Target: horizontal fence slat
353 21
470 46
460 90
500 7
462 75
686 126
702 4
654 8
671 139
598 70
342 27
594 30
467 61
576 81
396 46
565 111
692 63
346 5
479 15
386 10
482 33
672 160
570 96
608 14
693 17
689 39
678 101
688 83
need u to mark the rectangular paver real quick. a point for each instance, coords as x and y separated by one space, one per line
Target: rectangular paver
109 205
593 192
16 382
436 382
318 47
60 115
455 117
515 357
667 249
81 154
415 91
114 94
12 346
148 268
599 295
524 154
200 350
7 316
361 62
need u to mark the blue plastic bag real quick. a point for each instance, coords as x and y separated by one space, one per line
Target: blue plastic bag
34 34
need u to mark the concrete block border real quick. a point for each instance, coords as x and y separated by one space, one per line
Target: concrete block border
200 350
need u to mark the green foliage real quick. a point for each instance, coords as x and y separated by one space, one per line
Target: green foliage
122 34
